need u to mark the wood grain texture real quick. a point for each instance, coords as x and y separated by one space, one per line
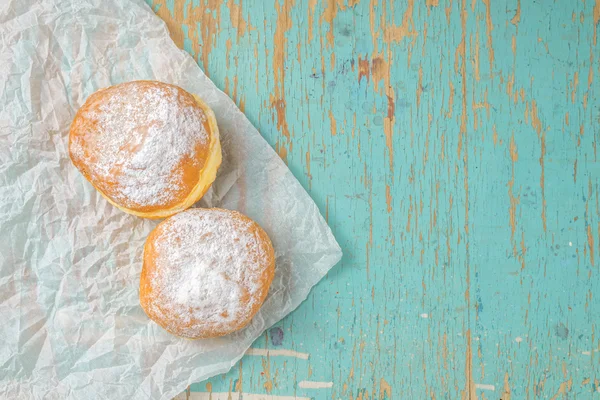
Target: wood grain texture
452 146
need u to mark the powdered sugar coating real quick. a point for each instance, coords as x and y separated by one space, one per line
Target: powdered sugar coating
132 139
210 272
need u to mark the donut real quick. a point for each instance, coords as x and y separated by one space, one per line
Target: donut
206 272
150 148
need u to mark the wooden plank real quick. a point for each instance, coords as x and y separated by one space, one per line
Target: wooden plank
452 146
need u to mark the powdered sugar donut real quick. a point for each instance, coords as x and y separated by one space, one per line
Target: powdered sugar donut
150 148
206 272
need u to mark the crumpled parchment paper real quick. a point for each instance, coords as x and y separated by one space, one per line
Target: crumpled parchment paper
72 327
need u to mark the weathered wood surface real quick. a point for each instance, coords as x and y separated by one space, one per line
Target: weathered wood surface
452 146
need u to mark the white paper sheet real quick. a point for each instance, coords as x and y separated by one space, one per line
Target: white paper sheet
72 327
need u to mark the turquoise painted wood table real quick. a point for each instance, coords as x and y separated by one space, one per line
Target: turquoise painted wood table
453 147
